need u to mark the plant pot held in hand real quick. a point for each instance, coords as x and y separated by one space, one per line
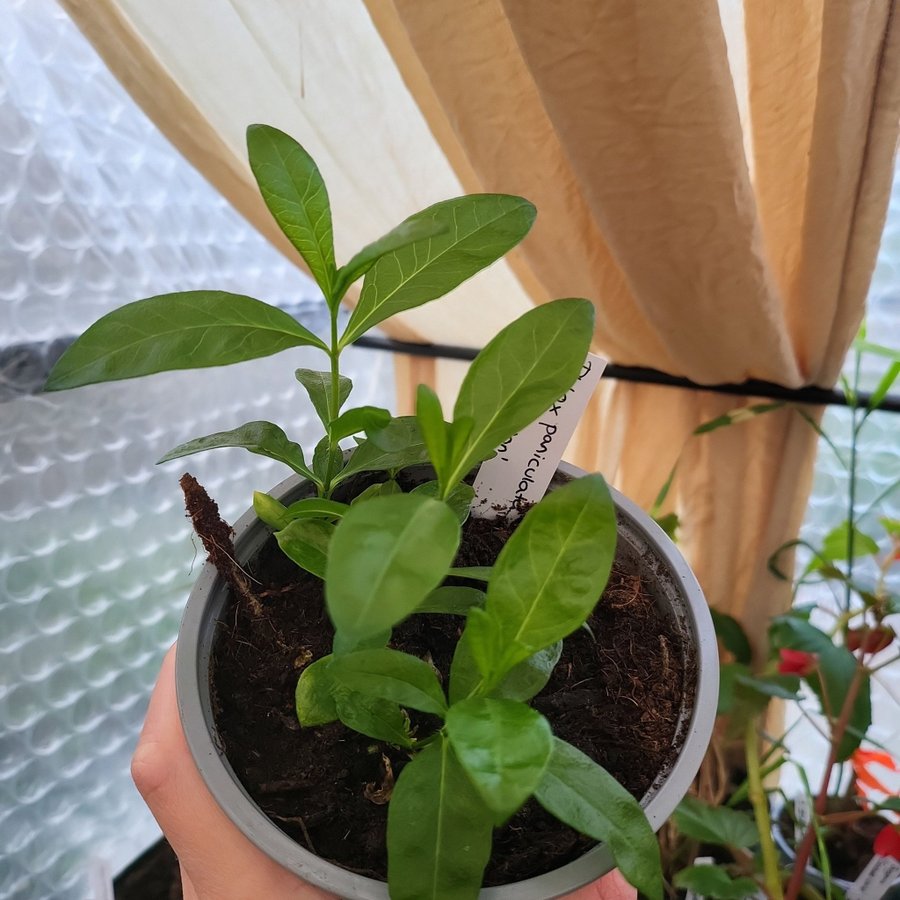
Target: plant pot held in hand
642 547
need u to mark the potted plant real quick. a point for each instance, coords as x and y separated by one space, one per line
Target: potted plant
835 831
378 626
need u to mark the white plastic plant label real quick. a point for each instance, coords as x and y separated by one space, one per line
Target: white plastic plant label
521 471
883 868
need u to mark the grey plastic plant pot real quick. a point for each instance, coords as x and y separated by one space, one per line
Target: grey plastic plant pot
677 592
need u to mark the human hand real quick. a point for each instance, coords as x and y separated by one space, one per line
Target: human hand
217 861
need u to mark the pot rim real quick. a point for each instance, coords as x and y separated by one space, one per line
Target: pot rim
192 663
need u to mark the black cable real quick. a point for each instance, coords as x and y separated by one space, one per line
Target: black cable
816 396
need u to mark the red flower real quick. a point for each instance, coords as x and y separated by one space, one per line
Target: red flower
888 842
861 759
870 640
796 662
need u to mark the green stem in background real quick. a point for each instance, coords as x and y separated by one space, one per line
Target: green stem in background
851 490
837 735
761 813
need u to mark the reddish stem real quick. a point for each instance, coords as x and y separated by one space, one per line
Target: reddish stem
837 735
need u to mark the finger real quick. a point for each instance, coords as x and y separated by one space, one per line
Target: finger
610 887
218 861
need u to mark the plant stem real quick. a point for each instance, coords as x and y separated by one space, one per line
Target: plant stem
837 735
334 404
761 813
851 490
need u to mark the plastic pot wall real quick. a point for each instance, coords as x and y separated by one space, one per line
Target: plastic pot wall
677 594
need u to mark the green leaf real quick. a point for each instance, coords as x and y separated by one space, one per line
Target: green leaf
728 673
433 428
406 449
313 700
836 546
669 524
385 489
271 511
385 557
504 746
884 385
519 375
189 330
405 233
361 418
714 881
465 676
315 508
864 346
530 676
344 645
326 456
306 542
373 717
459 499
891 526
392 675
262 438
716 825
439 830
837 666
479 229
318 386
782 686
889 803
732 635
550 573
475 573
456 601
293 189
584 795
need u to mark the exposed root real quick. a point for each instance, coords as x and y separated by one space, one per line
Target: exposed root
216 535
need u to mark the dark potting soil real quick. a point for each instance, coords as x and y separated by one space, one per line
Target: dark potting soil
616 694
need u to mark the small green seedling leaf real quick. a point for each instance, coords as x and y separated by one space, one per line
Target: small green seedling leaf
459 499
439 830
479 229
271 511
293 189
373 717
318 387
530 676
504 747
306 541
325 457
474 573
456 601
385 489
465 675
519 375
549 575
433 428
392 675
406 233
716 825
404 444
262 438
189 330
361 418
836 546
313 699
584 795
714 881
385 557
316 508
344 645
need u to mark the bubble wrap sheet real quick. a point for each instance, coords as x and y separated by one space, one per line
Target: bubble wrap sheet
96 556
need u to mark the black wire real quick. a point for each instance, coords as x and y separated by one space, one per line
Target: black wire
813 395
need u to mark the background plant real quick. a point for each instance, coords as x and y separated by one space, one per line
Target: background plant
824 654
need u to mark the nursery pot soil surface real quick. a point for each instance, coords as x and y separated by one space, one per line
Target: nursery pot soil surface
618 694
